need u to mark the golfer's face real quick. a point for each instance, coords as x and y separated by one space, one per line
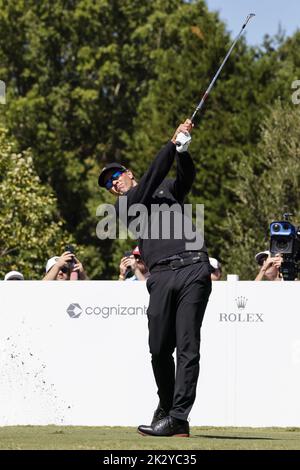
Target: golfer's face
121 184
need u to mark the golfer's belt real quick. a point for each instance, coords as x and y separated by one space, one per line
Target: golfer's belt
180 262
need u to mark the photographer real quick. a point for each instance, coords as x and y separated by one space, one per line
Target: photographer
270 266
132 268
62 268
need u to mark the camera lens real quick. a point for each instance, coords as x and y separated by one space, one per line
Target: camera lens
282 245
276 227
285 226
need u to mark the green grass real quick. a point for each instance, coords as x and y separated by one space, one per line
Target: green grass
121 438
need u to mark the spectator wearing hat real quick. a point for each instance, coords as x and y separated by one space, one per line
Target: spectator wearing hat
132 268
13 276
269 266
59 268
216 269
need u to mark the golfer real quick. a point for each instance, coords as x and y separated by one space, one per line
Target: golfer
179 284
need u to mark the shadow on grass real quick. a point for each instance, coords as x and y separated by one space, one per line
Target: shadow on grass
236 437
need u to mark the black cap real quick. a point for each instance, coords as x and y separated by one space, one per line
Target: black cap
110 166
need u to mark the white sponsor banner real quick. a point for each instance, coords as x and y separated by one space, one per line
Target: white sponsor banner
77 353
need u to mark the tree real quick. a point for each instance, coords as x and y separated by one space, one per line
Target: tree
94 81
229 128
268 186
31 229
75 73
193 42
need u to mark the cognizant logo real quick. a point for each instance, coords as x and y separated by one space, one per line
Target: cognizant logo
75 310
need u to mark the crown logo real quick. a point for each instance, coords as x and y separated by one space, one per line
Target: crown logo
241 302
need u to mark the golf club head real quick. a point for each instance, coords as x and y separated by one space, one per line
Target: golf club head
251 15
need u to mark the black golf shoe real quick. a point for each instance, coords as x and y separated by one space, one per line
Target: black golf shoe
166 427
159 414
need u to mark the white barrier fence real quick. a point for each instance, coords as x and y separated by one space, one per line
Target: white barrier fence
77 353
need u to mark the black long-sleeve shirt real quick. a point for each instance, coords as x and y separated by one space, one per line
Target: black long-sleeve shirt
154 189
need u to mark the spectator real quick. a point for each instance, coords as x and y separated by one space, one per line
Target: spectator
269 266
59 268
13 276
132 268
216 269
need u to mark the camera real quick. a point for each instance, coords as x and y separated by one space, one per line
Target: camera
127 254
285 239
72 263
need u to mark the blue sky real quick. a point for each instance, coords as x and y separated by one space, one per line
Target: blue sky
269 14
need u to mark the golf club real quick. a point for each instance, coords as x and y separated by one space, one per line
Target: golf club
182 139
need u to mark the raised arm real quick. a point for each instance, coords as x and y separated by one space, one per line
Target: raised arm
158 170
185 175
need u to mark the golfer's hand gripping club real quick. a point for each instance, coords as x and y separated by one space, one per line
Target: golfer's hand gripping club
183 140
182 137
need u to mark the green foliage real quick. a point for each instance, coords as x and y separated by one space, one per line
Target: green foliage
230 125
94 81
31 229
268 186
75 73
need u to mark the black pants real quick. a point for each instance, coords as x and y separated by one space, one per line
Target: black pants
177 304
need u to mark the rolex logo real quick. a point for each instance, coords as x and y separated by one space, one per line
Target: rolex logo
242 316
241 302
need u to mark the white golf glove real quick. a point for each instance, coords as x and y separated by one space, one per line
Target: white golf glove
183 140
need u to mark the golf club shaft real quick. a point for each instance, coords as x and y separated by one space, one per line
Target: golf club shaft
221 67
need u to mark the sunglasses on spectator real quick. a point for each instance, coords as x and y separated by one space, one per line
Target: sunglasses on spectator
114 176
